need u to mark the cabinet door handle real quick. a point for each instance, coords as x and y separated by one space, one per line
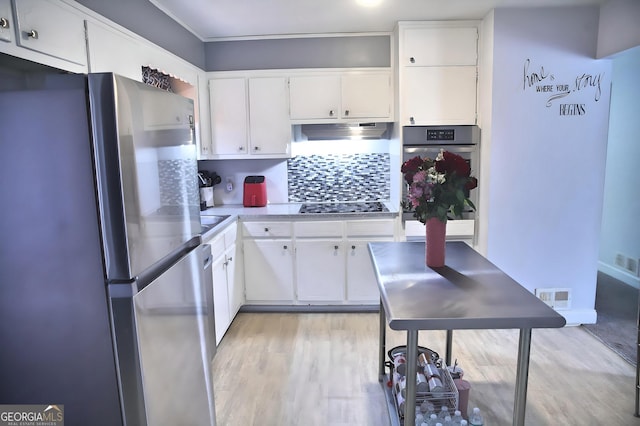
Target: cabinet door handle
412 60
266 229
230 259
285 247
346 113
256 148
241 148
4 23
412 120
353 247
331 113
335 247
32 34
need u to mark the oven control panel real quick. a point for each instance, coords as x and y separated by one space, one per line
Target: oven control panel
441 134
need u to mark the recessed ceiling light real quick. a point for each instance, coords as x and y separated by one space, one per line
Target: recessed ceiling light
369 3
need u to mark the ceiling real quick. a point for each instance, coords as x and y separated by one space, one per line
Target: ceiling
211 20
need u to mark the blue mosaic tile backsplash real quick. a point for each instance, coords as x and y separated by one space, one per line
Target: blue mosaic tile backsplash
339 178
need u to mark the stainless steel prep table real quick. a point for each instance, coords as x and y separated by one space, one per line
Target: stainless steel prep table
469 292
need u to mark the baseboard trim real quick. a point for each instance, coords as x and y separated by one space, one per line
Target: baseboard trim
619 275
310 308
579 316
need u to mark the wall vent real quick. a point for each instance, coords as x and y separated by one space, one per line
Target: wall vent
557 298
632 265
628 264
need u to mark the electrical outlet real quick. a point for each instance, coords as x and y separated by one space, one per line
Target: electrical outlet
546 295
228 186
556 298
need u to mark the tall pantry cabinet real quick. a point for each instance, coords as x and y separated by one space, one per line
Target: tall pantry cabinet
437 72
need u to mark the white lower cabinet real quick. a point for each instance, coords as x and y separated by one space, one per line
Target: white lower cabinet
228 289
234 277
313 262
268 270
320 270
221 297
362 286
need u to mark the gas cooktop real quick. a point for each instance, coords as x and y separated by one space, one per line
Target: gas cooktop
361 207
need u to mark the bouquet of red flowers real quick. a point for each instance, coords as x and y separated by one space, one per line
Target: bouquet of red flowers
438 188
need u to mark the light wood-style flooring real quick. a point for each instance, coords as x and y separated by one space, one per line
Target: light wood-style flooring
290 369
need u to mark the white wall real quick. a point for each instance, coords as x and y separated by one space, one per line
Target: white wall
547 169
275 170
621 211
485 118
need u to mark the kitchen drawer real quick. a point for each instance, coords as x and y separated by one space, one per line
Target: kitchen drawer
370 228
456 228
460 228
266 229
318 229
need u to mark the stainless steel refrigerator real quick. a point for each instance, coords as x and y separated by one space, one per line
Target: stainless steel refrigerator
103 303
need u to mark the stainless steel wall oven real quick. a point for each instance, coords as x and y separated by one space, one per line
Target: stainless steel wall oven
427 141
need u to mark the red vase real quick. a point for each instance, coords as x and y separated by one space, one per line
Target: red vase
435 246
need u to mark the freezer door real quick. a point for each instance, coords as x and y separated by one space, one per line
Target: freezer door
173 336
146 170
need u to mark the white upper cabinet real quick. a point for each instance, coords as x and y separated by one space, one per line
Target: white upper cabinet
269 127
438 73
6 21
249 117
366 95
228 103
45 31
439 46
111 50
343 96
439 96
314 97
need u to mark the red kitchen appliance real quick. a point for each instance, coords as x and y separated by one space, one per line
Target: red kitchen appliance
255 191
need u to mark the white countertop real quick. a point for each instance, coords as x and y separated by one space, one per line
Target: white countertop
287 210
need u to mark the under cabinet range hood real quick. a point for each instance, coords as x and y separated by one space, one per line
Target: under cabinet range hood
339 131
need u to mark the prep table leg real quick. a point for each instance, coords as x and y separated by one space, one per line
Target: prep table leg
412 370
381 344
522 377
447 356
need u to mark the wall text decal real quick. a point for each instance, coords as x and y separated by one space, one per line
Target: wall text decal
541 80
